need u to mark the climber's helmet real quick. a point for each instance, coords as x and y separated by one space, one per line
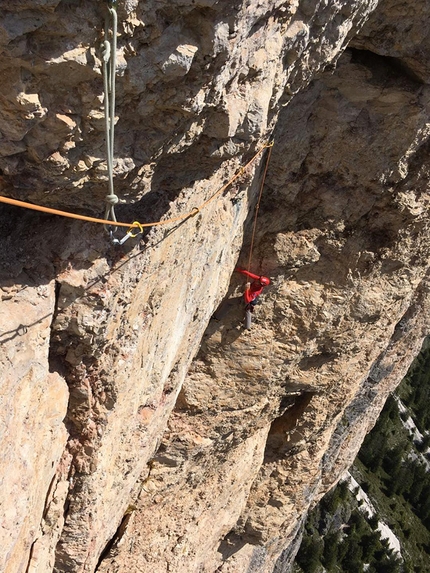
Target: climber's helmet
264 281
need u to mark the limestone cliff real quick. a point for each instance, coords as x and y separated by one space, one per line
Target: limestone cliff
138 433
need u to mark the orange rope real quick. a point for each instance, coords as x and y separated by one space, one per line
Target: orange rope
17 203
196 210
257 206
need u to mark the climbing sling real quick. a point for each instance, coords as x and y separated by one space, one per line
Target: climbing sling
109 74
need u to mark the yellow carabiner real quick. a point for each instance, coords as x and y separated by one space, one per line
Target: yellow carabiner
135 224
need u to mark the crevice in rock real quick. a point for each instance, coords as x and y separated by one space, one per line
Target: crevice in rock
242 534
283 438
54 361
316 360
116 538
386 68
231 544
48 495
30 556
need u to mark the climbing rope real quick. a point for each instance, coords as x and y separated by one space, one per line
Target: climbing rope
109 50
135 225
248 307
109 73
257 206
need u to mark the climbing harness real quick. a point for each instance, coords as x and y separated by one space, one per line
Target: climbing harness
109 75
252 292
135 225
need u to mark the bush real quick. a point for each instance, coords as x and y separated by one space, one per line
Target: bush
330 553
353 558
310 553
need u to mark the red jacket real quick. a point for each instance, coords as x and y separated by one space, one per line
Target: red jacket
256 287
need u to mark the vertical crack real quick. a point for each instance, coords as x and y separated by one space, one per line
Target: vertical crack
30 557
116 538
54 361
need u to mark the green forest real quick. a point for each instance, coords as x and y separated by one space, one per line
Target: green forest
392 468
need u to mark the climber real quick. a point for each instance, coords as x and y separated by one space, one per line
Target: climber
253 289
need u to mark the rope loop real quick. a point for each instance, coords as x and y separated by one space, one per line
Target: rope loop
106 51
109 72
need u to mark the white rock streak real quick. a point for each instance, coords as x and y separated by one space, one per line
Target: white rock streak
366 507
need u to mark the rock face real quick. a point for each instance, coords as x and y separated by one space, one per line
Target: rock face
137 433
